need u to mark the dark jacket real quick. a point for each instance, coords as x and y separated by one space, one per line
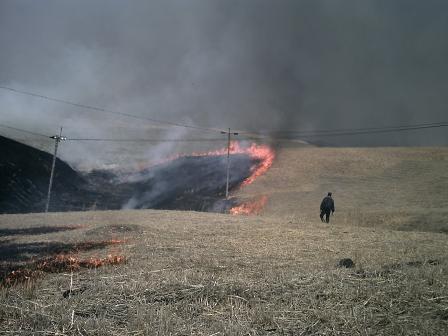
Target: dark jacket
327 204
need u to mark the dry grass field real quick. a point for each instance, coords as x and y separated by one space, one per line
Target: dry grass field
277 273
395 188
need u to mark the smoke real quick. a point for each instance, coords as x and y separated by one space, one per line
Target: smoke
188 183
258 65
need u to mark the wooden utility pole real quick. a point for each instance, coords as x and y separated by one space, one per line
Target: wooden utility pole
228 160
57 139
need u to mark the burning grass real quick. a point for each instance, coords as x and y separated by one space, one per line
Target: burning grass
253 207
64 260
202 185
264 155
57 264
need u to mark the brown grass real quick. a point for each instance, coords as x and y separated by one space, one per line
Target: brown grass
276 274
364 181
193 273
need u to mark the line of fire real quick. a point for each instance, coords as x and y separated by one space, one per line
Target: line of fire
197 181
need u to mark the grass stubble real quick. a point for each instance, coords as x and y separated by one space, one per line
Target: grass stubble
204 274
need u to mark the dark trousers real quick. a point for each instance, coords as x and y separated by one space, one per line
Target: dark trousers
327 215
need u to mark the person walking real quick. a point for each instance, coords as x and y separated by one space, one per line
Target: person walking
326 206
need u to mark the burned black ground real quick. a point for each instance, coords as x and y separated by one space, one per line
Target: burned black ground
186 183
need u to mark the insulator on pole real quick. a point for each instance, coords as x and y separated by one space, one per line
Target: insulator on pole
57 139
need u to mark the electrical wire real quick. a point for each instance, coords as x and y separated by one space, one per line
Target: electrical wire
104 110
272 133
143 140
24 131
368 131
347 130
291 136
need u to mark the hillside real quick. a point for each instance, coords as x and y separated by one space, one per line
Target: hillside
193 182
24 176
279 273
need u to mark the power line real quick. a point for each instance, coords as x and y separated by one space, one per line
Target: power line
276 137
344 130
371 131
284 135
273 133
294 136
104 110
24 131
143 140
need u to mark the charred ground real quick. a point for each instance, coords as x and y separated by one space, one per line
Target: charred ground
186 183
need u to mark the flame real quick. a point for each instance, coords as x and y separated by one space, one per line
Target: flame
250 208
63 262
57 264
19 276
116 241
264 154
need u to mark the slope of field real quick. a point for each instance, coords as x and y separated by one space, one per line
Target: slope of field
24 176
199 273
275 274
401 188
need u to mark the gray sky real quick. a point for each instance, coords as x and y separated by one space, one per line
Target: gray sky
247 64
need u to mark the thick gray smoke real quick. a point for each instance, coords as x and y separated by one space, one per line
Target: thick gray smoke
258 65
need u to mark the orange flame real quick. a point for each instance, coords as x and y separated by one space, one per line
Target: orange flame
262 153
265 155
57 264
63 262
250 208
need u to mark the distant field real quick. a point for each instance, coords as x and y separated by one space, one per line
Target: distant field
400 188
273 274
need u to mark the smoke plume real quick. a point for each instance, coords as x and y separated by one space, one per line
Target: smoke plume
254 65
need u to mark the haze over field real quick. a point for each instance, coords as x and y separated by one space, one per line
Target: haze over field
257 65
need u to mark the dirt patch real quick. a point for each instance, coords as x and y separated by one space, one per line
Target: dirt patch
346 262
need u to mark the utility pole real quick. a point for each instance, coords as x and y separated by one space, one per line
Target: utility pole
57 139
228 159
